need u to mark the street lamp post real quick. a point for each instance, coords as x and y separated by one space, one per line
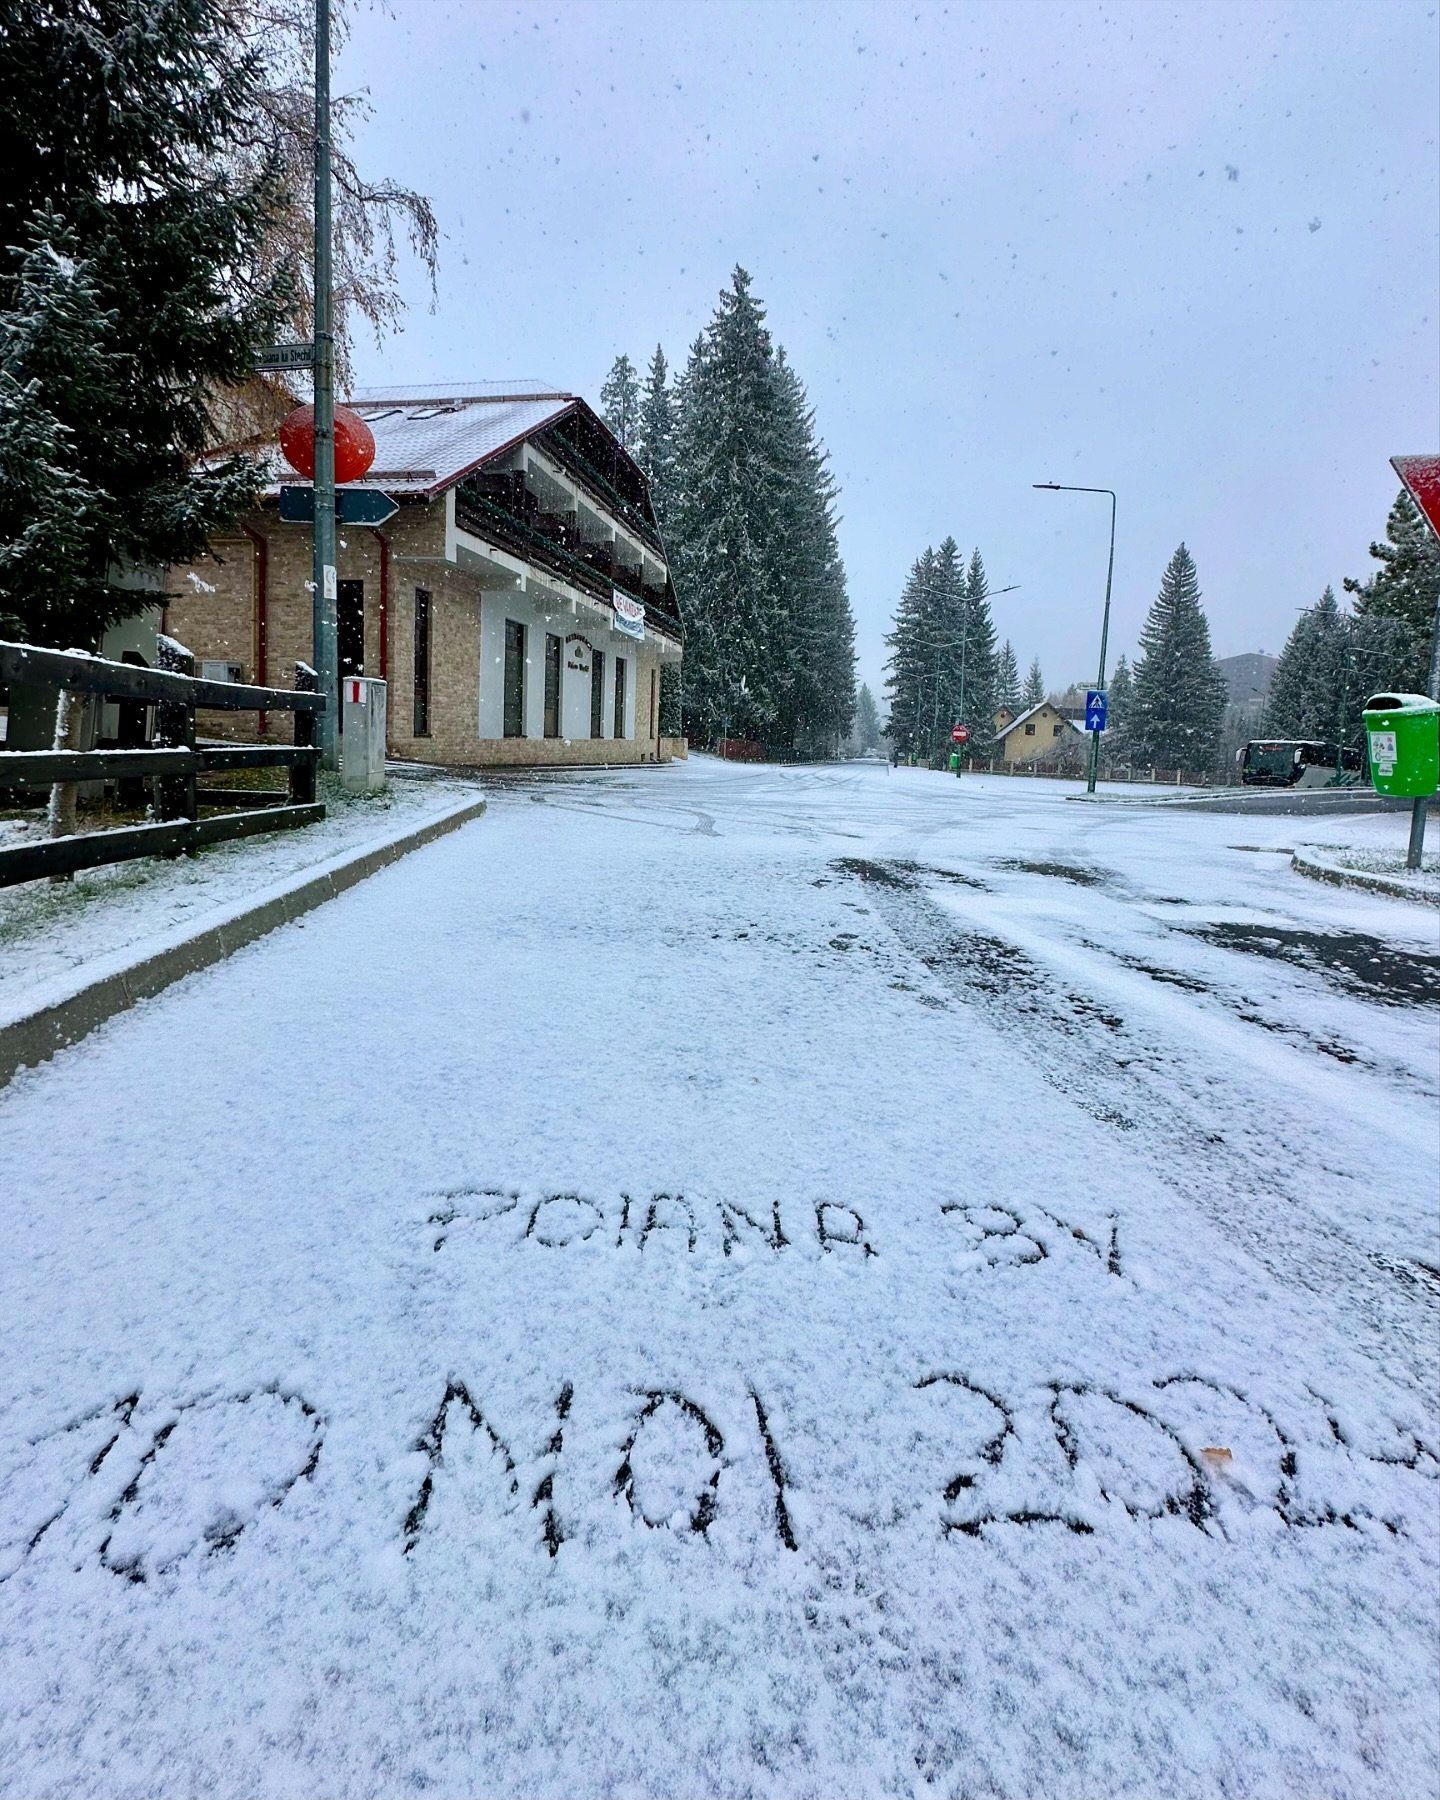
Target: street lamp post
1061 487
322 573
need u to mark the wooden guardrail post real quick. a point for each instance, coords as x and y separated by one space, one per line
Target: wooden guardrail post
302 774
175 796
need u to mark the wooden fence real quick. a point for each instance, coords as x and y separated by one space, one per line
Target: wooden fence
170 765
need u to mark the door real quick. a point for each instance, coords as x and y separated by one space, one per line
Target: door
514 678
349 636
552 685
597 693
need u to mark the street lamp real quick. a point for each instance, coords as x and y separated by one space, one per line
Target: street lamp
938 646
1061 487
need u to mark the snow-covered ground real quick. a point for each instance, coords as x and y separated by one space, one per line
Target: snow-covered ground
743 1281
54 938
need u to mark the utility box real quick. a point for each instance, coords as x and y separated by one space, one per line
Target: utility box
362 727
1404 737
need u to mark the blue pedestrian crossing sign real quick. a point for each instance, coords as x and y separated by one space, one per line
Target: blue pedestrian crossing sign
1096 706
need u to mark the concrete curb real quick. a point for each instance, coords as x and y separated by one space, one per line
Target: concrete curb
1359 878
36 1037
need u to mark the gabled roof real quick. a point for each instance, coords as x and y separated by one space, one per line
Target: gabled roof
428 436
1029 713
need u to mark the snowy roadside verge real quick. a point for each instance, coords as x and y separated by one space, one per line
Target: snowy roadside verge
39 1018
1360 869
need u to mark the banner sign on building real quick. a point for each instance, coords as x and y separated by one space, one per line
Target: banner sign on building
629 614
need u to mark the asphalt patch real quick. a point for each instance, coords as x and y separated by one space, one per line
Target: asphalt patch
1352 961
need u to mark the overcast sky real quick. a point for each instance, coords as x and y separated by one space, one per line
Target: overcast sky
1185 251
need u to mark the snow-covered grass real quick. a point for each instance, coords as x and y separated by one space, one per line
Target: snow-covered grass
1424 882
742 1281
52 934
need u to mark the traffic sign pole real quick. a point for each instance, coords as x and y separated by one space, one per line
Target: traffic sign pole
1062 487
323 578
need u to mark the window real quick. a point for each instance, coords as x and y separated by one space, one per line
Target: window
597 693
620 668
553 648
1029 731
1060 726
422 663
514 678
654 730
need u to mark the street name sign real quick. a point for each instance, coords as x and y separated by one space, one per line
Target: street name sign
1097 706
1421 475
353 506
278 358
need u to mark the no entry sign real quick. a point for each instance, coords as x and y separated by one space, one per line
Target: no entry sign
959 734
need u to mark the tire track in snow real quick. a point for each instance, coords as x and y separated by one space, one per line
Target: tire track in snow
1253 1188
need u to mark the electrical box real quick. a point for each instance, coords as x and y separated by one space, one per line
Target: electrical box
362 733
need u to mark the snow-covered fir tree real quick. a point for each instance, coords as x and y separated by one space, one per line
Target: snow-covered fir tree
1404 587
654 446
1304 697
866 730
1119 694
769 646
1331 663
981 698
1178 696
909 666
1007 678
1034 690
122 320
620 400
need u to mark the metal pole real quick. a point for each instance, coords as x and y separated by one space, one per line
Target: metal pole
323 579
1104 641
1415 853
1062 487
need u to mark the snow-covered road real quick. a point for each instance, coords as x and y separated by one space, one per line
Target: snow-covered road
743 1281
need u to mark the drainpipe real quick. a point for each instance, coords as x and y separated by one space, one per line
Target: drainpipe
384 544
262 616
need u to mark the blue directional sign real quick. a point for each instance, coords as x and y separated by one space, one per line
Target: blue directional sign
353 506
1096 706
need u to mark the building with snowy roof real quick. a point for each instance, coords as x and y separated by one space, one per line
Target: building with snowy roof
519 603
1039 734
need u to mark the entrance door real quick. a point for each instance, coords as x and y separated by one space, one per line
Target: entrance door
349 636
597 693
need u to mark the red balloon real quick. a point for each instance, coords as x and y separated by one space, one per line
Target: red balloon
354 443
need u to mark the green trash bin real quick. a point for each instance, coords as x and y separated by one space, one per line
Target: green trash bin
1403 731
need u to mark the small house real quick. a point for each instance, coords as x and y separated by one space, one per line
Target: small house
1040 734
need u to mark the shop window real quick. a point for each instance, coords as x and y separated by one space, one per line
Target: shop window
621 666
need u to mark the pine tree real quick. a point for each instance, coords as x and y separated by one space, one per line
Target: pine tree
620 400
1332 662
819 645
980 660
867 720
1304 698
909 667
728 523
654 447
1404 587
1034 691
132 289
1007 679
1178 695
752 535
1119 695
